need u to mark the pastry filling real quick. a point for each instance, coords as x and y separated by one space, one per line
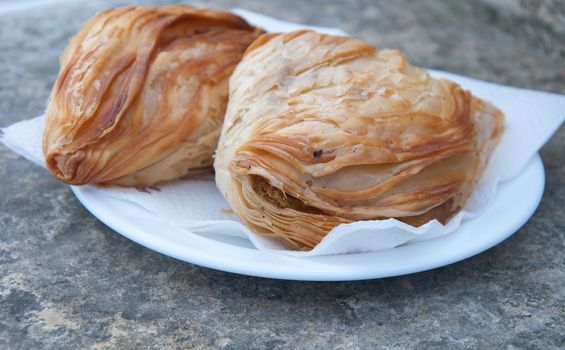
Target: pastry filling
280 199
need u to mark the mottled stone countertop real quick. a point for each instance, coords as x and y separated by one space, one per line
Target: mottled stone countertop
68 281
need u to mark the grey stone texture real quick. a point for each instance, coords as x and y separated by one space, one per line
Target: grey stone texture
69 282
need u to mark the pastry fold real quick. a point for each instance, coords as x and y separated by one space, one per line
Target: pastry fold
141 94
322 130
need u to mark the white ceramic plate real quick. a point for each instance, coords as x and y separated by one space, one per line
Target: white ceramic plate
515 203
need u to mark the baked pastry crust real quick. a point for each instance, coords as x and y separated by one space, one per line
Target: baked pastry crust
141 94
322 130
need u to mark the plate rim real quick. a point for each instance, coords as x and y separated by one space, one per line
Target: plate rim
208 261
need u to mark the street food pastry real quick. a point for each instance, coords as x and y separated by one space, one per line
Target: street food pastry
322 130
141 94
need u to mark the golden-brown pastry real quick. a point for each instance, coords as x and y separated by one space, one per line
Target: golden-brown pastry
322 130
141 94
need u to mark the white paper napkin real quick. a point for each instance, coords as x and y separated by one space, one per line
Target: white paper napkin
195 205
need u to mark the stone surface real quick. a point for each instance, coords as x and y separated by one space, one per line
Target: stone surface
67 281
